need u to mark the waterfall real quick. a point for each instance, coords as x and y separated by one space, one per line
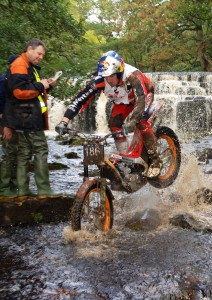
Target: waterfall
188 100
56 111
101 114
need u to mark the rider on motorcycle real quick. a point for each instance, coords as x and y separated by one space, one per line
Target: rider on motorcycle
131 92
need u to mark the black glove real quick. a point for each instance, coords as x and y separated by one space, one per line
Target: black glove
61 128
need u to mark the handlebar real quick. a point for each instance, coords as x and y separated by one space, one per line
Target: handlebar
99 139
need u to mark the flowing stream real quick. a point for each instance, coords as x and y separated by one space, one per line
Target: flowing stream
50 261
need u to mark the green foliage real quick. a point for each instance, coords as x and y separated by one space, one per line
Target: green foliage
152 35
49 20
157 35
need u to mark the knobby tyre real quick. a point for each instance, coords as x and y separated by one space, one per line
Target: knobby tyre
94 210
170 152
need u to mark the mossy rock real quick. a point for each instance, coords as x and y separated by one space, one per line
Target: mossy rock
64 140
76 142
57 166
52 166
71 155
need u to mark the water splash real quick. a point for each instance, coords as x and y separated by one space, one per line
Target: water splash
82 236
182 196
190 179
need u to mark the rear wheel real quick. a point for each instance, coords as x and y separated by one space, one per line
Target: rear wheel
94 210
170 154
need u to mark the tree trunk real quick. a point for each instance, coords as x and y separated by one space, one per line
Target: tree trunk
206 64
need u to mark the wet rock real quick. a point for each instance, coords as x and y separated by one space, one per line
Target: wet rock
147 220
31 211
186 221
192 288
71 155
174 197
204 195
52 166
208 170
204 155
192 115
57 166
66 140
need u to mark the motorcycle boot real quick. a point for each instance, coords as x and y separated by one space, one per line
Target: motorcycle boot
150 143
155 161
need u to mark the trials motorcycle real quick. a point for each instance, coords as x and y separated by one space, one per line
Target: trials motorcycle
93 205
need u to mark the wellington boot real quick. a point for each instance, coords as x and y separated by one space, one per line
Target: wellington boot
8 194
25 194
23 183
7 182
42 179
49 194
8 166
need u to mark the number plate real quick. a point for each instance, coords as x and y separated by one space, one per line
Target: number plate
93 154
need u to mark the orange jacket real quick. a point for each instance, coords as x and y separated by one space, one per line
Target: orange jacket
23 110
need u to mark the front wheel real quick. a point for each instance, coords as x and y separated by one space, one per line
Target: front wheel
93 208
170 154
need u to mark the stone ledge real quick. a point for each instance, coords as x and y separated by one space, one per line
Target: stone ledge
31 211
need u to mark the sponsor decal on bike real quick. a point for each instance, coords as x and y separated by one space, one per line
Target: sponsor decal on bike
115 156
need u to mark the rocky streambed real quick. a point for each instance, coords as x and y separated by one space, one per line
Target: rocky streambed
159 258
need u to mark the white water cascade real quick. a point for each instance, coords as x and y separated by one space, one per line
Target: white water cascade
188 100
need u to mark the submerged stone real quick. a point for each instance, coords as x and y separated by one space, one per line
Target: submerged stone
204 195
57 166
146 220
52 166
205 154
187 221
71 155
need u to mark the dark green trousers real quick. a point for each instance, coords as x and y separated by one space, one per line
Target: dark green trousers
8 166
32 145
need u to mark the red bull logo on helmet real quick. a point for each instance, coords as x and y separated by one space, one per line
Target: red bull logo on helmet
110 63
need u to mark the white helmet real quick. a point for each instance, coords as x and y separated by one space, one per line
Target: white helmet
110 63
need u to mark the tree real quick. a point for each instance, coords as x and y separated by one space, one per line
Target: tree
194 20
49 20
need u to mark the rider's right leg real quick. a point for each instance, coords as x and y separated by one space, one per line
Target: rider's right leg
118 115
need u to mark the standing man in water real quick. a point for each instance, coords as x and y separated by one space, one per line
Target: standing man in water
26 112
131 93
8 165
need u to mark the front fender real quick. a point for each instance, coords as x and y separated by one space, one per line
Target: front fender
87 184
84 187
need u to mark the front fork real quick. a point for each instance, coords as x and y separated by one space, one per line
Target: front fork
101 183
